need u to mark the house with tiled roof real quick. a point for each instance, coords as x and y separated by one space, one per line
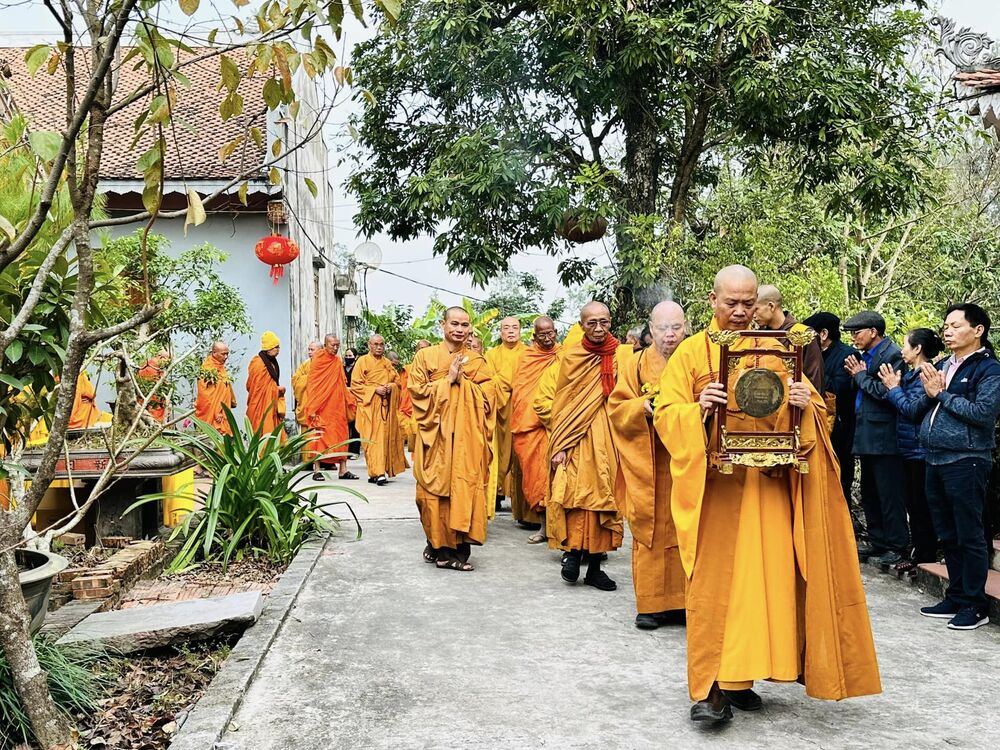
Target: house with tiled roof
308 300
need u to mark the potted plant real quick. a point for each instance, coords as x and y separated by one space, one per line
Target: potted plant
35 572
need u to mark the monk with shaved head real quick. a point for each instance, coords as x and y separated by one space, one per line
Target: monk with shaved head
215 389
330 405
770 313
375 385
581 511
503 358
452 391
300 381
528 436
657 575
773 585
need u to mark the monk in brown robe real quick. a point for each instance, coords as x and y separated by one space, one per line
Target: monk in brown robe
503 358
657 575
774 587
300 381
330 405
453 404
528 436
375 385
215 389
581 512
406 403
770 313
265 394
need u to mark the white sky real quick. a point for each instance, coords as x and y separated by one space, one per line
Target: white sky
27 24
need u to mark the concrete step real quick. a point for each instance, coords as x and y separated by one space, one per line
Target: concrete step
934 577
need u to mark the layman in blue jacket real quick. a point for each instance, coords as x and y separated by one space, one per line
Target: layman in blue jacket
959 410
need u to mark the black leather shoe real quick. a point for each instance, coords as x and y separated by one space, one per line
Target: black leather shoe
715 708
672 617
571 568
744 700
600 580
645 621
865 552
889 559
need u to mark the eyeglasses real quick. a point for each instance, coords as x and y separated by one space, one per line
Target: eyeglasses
603 323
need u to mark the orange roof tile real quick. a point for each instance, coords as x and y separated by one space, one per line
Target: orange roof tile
983 79
198 134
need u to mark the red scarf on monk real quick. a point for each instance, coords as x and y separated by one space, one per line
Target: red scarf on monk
607 351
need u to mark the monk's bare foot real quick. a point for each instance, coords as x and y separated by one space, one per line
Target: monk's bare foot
318 476
537 538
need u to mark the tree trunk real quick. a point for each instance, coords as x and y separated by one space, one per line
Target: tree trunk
52 730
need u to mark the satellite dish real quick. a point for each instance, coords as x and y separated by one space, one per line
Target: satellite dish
368 254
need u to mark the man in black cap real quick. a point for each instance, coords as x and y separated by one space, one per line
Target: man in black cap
882 467
838 382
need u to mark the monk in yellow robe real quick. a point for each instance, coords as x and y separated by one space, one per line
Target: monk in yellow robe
265 394
657 575
503 358
330 405
300 380
215 389
406 403
85 412
453 404
774 587
528 436
581 512
375 385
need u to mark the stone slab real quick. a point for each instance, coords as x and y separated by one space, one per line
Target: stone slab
142 628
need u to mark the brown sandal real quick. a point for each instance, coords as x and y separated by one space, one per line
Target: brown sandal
430 554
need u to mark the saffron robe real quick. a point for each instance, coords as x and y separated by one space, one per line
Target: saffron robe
300 382
503 360
581 511
213 396
454 445
657 574
409 426
330 405
528 435
263 401
377 418
85 412
774 585
151 372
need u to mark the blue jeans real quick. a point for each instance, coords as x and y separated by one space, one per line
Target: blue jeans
956 493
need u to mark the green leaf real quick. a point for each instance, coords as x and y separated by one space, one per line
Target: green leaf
45 143
36 57
230 73
312 187
359 11
13 382
189 7
391 8
14 351
272 93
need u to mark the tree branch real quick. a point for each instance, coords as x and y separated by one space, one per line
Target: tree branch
35 293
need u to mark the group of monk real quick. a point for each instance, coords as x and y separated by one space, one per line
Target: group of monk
761 563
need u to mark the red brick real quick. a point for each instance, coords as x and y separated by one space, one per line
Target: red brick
93 582
116 541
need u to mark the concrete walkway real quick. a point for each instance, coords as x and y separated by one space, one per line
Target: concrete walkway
385 651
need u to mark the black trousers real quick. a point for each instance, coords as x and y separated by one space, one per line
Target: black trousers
883 482
842 443
956 493
921 525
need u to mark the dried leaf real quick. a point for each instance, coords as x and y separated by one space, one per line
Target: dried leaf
7 228
189 7
195 212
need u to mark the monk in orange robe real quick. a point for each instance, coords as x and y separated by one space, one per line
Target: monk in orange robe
300 380
581 512
375 385
330 405
265 394
528 436
657 575
150 373
85 412
774 587
503 358
215 389
454 406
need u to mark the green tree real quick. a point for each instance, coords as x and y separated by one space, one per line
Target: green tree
498 125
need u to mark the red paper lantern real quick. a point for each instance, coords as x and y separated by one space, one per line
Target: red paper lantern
276 251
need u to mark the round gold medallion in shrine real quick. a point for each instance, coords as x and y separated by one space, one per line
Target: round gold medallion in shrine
759 392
